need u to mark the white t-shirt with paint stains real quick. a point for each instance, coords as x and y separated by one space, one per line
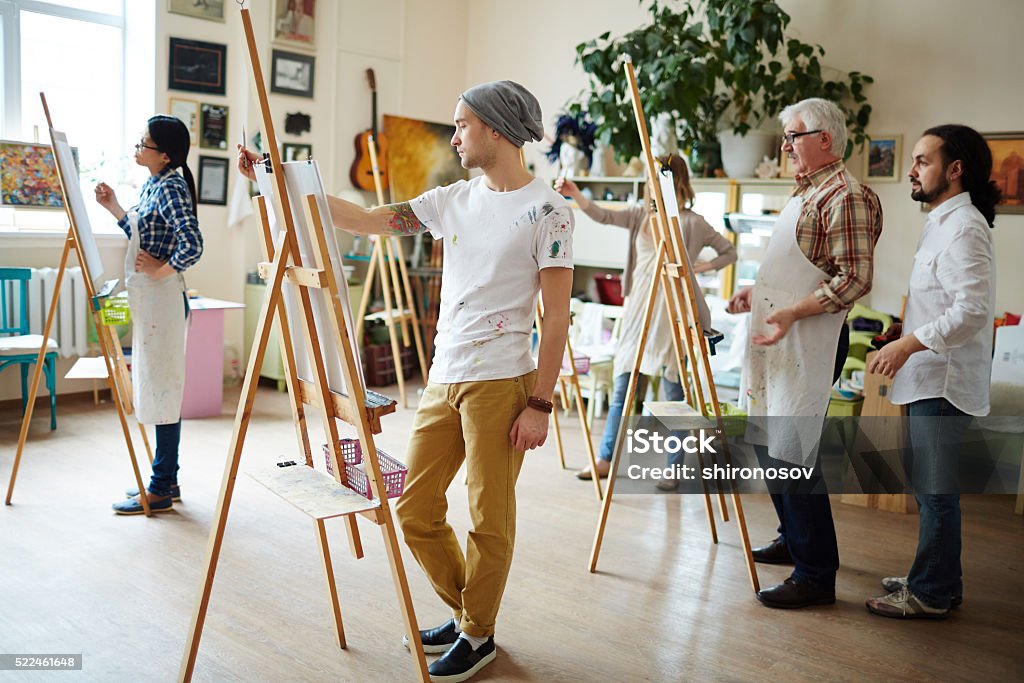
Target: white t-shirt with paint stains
495 245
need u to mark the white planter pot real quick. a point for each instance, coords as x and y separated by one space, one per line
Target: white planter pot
742 154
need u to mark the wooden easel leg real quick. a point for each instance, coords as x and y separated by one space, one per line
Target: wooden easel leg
145 442
586 439
416 335
404 595
558 437
332 586
709 509
741 523
37 371
227 487
627 410
364 301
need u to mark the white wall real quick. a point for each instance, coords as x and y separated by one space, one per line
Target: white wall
416 47
934 61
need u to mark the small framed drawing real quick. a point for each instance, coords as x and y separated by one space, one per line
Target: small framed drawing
295 22
296 152
214 127
186 111
212 10
195 66
213 180
882 159
1008 169
291 74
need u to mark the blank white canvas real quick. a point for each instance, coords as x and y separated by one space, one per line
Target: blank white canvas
76 204
303 178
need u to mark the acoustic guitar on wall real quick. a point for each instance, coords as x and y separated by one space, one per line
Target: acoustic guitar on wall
361 173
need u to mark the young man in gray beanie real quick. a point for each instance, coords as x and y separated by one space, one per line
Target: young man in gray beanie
506 235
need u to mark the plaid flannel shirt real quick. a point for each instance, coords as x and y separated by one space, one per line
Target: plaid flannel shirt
168 228
839 225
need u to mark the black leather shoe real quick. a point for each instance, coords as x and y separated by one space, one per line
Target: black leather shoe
793 594
775 552
437 639
462 662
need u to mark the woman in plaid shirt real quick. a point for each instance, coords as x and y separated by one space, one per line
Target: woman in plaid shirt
164 240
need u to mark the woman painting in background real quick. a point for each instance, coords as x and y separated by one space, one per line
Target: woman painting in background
640 267
163 241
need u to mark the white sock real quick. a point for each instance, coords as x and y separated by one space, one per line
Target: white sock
473 640
458 628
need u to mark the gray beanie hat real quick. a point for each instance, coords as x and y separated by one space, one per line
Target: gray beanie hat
508 108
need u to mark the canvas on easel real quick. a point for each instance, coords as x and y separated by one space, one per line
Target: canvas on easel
688 336
81 241
323 375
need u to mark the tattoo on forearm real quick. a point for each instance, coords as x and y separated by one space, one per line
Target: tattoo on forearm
403 220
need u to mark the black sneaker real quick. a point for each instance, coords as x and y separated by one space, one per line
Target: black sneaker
461 662
437 639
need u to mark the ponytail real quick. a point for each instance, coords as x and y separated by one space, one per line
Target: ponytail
171 137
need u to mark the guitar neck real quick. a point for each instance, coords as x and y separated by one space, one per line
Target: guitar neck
373 123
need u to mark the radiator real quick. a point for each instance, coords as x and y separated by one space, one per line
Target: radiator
70 324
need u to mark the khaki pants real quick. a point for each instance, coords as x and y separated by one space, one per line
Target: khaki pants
467 421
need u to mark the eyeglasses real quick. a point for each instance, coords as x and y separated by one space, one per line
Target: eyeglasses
790 138
140 145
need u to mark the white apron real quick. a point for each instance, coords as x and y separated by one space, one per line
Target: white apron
793 377
158 338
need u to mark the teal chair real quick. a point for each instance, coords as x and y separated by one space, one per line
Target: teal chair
17 346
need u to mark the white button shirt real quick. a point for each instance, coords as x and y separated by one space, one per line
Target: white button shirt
950 309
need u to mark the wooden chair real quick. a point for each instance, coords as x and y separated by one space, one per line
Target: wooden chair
17 346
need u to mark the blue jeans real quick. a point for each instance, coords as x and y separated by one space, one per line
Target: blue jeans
673 392
805 519
936 575
165 462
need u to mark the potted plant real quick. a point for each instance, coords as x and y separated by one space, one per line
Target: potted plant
713 65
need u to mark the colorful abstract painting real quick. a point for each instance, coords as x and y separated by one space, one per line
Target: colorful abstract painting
28 176
420 156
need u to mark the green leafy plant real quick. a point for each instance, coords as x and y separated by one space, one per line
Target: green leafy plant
712 65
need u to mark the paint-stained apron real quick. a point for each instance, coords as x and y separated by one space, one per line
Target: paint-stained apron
793 377
158 339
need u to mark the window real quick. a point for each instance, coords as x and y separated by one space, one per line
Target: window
81 54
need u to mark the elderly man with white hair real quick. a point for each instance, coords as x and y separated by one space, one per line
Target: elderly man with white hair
818 262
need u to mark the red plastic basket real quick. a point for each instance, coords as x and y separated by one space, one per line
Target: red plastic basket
351 452
581 361
393 471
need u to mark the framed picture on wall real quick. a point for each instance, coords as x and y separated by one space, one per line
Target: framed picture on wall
882 159
1008 169
295 23
291 151
214 127
195 66
291 74
213 180
186 111
212 10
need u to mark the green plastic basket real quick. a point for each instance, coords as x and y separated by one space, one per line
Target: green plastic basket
734 418
115 310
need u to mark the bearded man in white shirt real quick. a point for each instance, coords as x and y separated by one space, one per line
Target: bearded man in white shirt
943 361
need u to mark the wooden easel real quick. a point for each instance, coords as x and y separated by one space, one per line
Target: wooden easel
569 382
315 493
386 251
687 335
117 375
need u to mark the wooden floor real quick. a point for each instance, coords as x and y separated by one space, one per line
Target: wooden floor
666 605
